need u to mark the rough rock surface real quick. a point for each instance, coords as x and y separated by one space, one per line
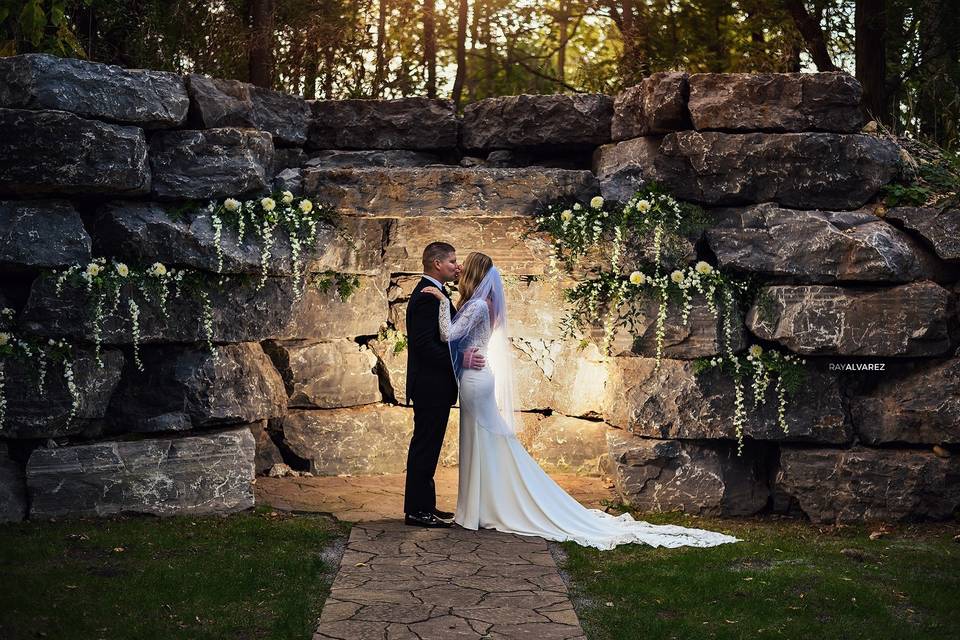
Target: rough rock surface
150 99
41 234
338 158
776 102
666 475
186 387
267 451
657 105
30 414
817 246
13 489
210 163
405 123
535 120
198 474
502 239
906 320
325 375
861 484
445 191
240 313
674 402
939 227
569 445
54 152
144 232
218 103
920 408
797 170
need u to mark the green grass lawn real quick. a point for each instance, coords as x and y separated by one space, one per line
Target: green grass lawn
250 575
787 579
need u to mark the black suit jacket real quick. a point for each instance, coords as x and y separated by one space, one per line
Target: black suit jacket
430 377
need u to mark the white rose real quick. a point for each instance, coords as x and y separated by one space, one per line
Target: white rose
596 202
637 278
306 206
268 204
756 350
158 269
577 207
643 206
287 197
93 269
677 276
231 205
704 268
566 215
122 269
4 338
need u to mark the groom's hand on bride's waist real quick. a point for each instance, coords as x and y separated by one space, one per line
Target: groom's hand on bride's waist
472 359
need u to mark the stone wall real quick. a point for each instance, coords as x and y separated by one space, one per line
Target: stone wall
92 157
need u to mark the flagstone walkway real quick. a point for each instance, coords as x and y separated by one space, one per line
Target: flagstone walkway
408 583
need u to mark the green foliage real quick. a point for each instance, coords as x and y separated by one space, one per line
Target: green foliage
344 284
933 178
41 26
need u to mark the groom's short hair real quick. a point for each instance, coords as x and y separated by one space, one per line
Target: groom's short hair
436 251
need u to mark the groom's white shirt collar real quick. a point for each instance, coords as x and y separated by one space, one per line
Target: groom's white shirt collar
434 281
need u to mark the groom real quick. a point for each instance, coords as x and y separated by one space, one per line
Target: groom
431 386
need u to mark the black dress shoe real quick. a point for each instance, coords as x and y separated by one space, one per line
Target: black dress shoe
443 515
423 519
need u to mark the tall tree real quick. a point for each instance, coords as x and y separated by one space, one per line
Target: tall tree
870 22
809 26
261 42
378 73
430 46
461 52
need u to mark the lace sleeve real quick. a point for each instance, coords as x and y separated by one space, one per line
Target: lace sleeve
445 320
467 318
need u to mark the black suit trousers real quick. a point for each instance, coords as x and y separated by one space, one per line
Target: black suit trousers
429 427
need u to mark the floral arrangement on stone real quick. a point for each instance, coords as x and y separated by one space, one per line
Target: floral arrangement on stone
625 254
36 352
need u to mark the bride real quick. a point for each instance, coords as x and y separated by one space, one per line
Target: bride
500 485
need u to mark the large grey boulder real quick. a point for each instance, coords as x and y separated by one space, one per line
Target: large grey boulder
672 475
13 488
797 170
657 105
30 414
41 234
144 232
240 313
902 321
445 191
817 246
193 475
216 103
562 444
325 375
864 485
404 123
184 387
210 163
150 99
940 228
776 102
338 158
558 120
58 153
922 407
674 402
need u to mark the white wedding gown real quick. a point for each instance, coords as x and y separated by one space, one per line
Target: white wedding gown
502 487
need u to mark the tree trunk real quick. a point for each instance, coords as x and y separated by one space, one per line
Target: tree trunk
461 53
563 18
809 28
378 73
871 52
430 46
261 43
328 60
310 64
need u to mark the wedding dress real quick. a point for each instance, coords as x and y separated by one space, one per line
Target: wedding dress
500 485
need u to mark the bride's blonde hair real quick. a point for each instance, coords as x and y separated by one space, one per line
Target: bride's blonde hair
475 267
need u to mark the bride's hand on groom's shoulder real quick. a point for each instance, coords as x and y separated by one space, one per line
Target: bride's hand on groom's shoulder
433 291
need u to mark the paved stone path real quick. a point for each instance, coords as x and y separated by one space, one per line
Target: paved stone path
408 583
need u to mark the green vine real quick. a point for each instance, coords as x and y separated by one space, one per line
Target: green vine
345 284
626 255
